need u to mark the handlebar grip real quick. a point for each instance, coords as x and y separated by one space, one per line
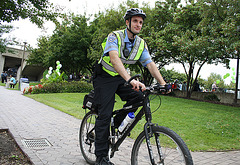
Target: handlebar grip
133 77
168 86
163 87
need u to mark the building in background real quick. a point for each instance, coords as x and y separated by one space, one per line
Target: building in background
11 62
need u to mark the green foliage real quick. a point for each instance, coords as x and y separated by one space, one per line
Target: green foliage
69 44
211 97
53 78
222 19
231 86
5 41
40 56
213 78
172 75
34 10
64 87
202 32
189 40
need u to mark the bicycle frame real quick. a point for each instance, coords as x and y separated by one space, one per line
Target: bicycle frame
147 127
165 145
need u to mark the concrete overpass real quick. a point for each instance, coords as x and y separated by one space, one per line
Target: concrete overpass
11 60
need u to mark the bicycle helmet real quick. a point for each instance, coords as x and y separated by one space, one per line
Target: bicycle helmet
133 12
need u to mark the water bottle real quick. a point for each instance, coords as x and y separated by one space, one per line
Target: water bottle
128 120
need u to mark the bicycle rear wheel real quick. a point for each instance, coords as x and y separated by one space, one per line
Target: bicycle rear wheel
87 137
172 149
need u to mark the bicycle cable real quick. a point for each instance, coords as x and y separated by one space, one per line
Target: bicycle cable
160 102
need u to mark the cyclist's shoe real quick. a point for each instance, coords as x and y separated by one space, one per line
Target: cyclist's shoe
103 161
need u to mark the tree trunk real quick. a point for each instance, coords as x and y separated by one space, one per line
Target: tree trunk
189 81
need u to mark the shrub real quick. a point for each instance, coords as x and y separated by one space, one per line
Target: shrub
65 87
32 89
211 97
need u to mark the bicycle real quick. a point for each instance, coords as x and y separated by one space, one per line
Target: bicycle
164 146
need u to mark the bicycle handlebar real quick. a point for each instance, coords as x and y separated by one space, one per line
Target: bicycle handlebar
157 87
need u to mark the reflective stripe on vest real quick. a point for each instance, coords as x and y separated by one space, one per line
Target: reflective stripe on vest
133 56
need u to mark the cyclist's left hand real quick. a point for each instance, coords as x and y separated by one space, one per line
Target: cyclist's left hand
136 85
167 88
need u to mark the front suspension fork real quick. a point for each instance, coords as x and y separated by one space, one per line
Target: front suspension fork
148 129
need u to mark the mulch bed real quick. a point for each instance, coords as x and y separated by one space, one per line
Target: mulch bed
10 153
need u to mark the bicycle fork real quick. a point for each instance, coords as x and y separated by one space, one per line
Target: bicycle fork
148 128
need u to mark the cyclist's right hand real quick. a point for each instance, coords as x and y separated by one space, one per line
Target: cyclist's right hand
137 85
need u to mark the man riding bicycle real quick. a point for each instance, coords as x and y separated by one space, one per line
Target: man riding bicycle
121 48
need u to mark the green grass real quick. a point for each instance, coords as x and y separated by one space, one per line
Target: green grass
203 126
2 84
15 88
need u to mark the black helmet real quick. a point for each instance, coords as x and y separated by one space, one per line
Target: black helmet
134 12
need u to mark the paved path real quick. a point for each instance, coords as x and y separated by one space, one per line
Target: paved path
29 119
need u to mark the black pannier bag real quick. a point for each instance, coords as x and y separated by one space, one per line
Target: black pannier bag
88 101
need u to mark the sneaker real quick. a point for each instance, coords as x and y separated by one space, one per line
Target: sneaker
103 161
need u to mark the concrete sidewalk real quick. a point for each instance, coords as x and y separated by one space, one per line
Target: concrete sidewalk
28 119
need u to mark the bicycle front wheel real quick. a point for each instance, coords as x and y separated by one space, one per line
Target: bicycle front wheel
167 148
87 137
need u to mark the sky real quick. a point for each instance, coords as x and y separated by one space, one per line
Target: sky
25 31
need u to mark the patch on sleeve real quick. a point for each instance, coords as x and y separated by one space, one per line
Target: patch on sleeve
146 47
112 37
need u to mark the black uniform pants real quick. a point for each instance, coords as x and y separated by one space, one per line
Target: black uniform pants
105 87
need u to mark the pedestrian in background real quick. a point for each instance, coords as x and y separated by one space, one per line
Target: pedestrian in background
3 76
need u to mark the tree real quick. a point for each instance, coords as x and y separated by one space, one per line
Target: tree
172 75
4 41
12 10
231 86
223 19
215 78
36 11
190 42
40 55
69 44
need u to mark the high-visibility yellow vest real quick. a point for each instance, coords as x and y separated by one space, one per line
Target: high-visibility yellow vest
134 55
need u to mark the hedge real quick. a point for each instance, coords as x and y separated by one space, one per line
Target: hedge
64 87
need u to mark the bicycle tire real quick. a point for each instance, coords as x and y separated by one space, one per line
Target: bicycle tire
87 137
173 149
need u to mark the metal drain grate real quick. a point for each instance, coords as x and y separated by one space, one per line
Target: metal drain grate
36 143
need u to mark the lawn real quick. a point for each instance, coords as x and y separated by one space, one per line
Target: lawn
15 88
203 126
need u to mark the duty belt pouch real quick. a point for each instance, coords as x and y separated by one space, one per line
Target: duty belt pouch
88 101
97 69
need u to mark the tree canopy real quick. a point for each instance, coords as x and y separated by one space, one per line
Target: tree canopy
193 37
36 11
12 10
201 32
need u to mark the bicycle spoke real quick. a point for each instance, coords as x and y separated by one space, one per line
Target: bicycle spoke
166 149
87 136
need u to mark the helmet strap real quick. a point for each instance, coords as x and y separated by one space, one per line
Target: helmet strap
129 29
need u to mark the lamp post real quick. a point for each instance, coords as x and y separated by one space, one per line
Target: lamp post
237 76
20 75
